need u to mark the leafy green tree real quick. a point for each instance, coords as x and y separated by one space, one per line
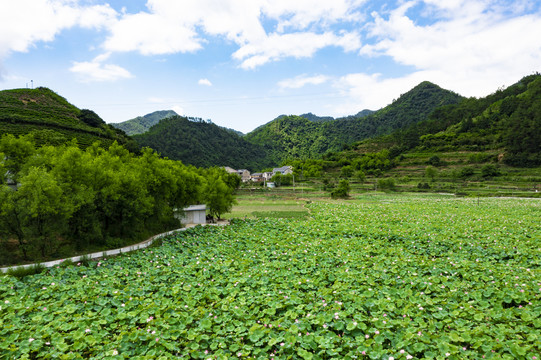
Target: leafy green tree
341 191
75 172
2 169
16 151
490 170
435 161
282 180
466 171
98 197
217 195
387 184
431 172
37 212
346 171
122 201
11 221
360 175
232 180
373 163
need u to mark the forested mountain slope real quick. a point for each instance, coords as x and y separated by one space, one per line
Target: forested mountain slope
141 124
203 144
297 137
494 140
51 119
508 120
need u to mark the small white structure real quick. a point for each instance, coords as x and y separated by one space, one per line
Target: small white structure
194 214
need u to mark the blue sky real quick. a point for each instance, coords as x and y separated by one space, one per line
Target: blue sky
241 63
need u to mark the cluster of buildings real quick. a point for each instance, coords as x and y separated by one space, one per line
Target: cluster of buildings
259 177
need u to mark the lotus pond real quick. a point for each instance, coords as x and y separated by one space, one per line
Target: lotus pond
376 278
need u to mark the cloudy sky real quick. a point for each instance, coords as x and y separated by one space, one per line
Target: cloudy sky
241 63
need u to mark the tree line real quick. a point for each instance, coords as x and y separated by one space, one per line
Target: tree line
59 200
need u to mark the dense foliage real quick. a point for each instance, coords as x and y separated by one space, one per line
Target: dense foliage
52 120
402 278
202 144
141 124
507 120
500 130
68 199
297 137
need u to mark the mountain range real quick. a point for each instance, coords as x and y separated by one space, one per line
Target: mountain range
426 117
290 136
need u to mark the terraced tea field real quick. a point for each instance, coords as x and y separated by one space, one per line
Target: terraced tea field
381 277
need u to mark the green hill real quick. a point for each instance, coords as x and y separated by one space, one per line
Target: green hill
51 119
202 144
507 121
490 145
141 124
289 137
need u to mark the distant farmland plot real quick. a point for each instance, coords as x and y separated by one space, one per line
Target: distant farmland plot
380 277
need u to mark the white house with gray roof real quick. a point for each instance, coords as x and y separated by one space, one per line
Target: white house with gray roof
284 170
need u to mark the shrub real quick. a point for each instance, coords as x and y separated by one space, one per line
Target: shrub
466 171
490 170
346 171
479 158
360 175
431 172
342 190
20 272
423 186
386 184
435 161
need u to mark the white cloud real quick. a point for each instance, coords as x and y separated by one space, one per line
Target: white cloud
303 80
26 22
370 91
205 82
170 26
178 109
151 35
97 71
298 45
473 47
300 14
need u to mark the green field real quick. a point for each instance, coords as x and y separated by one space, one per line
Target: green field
381 276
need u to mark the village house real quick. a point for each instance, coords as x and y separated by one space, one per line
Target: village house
284 170
257 177
243 173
